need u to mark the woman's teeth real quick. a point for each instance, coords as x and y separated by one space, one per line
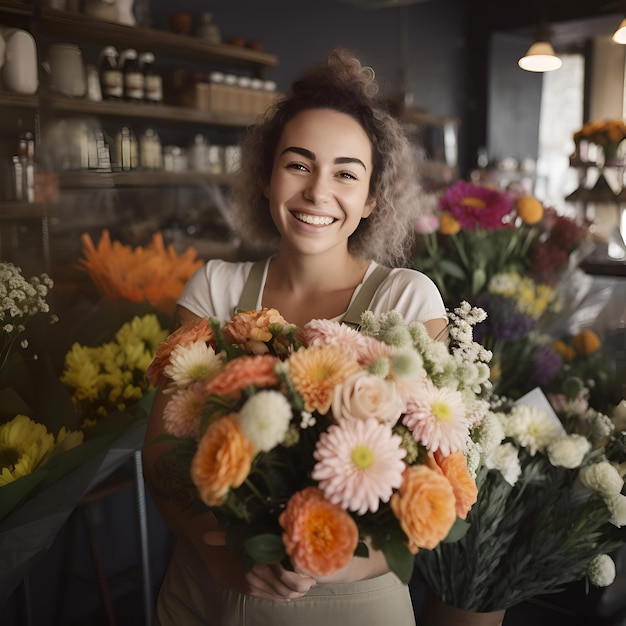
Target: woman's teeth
316 220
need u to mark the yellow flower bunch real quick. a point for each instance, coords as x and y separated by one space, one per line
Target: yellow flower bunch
532 298
25 443
111 377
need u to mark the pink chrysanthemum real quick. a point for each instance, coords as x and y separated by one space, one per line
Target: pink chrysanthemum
474 205
182 414
323 332
359 464
437 419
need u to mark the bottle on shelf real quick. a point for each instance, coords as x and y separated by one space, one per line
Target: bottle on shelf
134 83
25 189
153 82
150 152
126 152
111 75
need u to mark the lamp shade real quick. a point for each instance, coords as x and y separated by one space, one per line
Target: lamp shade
540 58
619 36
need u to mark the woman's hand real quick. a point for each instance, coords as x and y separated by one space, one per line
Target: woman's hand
272 582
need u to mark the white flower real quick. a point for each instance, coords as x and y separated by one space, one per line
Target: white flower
190 363
616 503
489 434
568 451
602 477
532 428
601 571
264 419
504 459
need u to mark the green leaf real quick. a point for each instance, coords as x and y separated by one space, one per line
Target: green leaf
479 278
265 548
458 530
449 267
399 559
362 550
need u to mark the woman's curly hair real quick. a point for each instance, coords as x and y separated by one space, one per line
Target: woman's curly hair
342 84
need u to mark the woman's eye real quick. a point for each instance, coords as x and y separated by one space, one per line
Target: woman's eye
348 175
297 166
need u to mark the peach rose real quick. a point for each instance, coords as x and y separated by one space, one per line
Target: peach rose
425 507
195 330
251 329
363 395
222 460
243 372
454 468
320 537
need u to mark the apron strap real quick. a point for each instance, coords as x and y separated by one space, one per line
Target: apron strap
352 317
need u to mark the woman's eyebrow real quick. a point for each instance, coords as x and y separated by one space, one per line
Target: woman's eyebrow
307 154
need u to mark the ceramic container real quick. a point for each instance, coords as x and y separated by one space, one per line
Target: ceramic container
19 71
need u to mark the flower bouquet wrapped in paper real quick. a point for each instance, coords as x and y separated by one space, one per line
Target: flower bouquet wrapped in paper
310 444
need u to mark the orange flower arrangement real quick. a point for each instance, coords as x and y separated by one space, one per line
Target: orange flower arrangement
155 273
299 440
454 468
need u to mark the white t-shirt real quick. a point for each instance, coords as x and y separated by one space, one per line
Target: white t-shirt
215 288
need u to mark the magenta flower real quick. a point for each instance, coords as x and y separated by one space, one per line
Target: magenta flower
474 205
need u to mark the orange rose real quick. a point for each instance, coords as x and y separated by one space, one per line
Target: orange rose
195 330
251 329
529 209
425 505
454 468
563 350
243 372
222 460
448 225
320 537
586 342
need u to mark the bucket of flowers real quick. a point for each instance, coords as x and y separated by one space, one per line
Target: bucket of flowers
363 433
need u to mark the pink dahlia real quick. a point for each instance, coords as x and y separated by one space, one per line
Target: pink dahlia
359 464
437 419
323 332
183 412
474 205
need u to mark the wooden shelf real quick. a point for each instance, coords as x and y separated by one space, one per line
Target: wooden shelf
159 112
9 99
85 28
16 7
14 210
138 178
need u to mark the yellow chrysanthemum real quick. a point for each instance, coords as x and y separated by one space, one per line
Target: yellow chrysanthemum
23 444
316 371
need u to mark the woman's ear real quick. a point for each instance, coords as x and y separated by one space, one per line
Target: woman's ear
370 205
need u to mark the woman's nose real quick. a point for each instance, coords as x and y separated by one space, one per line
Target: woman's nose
316 190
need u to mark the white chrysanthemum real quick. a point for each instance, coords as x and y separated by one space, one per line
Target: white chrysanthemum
600 425
190 363
359 464
264 419
616 504
489 434
504 459
602 477
568 451
473 454
601 571
532 428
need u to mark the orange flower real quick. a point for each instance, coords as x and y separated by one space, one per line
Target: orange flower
529 209
222 460
425 507
454 468
586 342
448 225
243 372
316 371
563 350
194 330
155 273
251 329
320 537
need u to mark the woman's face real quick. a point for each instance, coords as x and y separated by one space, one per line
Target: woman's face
319 187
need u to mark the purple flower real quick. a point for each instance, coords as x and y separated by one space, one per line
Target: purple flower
547 364
474 205
504 322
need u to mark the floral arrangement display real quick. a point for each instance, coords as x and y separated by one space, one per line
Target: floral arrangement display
156 273
311 445
510 256
549 510
607 134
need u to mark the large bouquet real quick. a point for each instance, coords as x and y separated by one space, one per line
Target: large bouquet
311 444
549 511
513 258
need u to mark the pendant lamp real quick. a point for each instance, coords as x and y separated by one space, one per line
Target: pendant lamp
619 36
540 56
